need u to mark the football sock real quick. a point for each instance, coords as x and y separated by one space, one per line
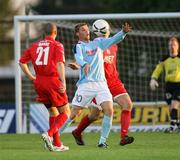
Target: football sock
178 123
106 127
174 118
174 114
66 125
60 120
82 125
56 139
172 124
125 122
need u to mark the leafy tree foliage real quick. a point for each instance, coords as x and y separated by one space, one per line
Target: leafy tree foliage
106 6
6 24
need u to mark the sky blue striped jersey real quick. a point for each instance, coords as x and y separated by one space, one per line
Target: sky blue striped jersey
92 53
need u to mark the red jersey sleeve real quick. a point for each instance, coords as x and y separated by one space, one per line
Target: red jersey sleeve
26 57
59 57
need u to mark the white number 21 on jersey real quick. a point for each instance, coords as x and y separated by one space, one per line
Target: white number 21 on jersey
42 51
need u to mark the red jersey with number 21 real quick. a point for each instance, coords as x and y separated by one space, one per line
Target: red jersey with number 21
44 56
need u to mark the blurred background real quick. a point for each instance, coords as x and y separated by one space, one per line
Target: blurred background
10 8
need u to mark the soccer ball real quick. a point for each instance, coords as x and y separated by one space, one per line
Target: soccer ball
100 27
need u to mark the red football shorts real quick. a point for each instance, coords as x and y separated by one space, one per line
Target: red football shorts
116 88
47 89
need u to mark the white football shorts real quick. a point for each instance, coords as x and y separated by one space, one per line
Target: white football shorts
87 91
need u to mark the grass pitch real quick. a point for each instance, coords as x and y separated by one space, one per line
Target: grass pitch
147 146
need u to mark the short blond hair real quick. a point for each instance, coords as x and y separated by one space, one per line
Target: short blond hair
174 39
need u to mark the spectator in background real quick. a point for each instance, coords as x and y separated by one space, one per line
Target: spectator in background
47 57
170 64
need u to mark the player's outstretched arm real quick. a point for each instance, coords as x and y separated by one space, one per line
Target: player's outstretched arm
118 37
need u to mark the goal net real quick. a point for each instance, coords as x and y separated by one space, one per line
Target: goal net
137 55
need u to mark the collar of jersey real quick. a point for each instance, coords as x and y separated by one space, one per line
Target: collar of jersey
174 56
83 42
49 38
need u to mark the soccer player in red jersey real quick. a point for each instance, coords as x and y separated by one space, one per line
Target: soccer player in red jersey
47 57
118 92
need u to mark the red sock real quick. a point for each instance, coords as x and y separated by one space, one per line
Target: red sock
60 119
125 122
82 125
56 139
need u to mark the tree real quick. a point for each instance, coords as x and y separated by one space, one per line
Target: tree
105 6
6 24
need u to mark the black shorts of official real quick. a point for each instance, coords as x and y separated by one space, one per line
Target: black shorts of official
172 92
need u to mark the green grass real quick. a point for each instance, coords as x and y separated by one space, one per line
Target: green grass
147 146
